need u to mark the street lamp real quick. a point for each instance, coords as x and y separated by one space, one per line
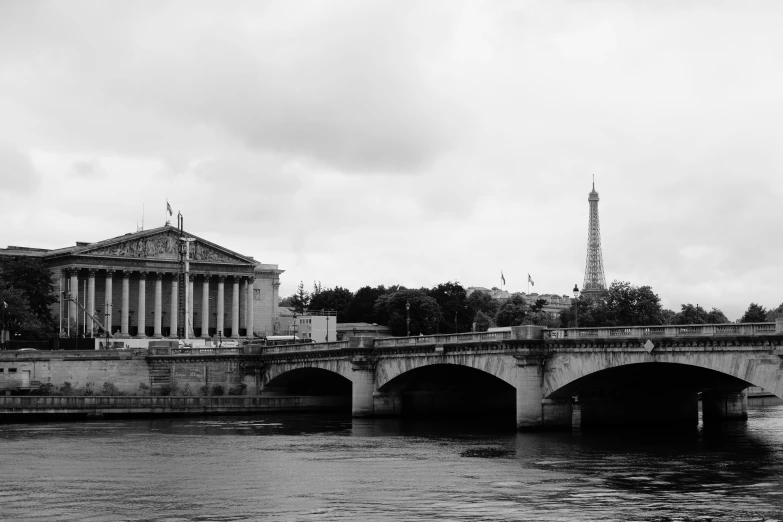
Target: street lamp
576 305
408 316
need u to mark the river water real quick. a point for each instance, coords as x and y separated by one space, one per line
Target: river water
313 467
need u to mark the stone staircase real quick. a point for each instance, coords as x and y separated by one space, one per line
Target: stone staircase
160 374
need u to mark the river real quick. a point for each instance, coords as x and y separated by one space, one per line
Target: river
316 467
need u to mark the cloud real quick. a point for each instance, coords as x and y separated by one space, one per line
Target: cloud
87 169
17 174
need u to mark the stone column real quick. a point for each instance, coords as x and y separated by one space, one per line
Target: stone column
205 308
91 300
158 333
220 302
174 309
189 310
235 309
529 394
363 378
141 313
249 307
73 310
109 298
720 405
124 330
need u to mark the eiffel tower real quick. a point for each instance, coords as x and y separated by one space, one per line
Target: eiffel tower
595 282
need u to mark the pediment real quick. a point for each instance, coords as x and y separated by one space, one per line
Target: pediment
162 245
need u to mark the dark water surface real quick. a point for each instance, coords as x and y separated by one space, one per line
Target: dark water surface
297 467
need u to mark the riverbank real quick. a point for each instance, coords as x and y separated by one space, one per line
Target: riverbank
31 408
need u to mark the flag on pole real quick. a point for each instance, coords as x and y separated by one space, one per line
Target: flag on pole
168 207
5 305
502 278
530 280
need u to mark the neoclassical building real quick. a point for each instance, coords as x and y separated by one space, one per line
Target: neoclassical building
131 283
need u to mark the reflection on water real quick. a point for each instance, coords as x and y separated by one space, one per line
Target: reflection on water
313 467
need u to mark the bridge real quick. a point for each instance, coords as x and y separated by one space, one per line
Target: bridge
546 378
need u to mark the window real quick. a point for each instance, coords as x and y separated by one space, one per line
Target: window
256 294
11 370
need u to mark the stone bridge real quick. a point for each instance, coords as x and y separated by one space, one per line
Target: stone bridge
551 378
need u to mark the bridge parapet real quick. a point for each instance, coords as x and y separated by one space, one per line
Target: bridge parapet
673 331
476 337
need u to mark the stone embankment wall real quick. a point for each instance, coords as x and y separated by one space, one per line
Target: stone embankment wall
125 370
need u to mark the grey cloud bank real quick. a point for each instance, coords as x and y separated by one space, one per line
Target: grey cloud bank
409 143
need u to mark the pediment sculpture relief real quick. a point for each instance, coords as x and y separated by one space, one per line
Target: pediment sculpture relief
161 246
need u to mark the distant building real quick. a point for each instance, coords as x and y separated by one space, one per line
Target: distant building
554 303
345 330
130 284
318 325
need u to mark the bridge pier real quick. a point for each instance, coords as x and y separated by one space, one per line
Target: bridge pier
362 395
529 394
387 404
717 406
556 413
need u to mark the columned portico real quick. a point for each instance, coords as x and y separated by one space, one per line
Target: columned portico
174 310
249 306
235 309
205 307
141 319
74 290
125 312
91 299
157 332
220 303
157 252
108 299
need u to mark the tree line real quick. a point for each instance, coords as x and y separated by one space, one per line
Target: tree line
27 296
446 308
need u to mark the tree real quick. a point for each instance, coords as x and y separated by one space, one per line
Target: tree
754 314
425 313
690 314
26 285
483 321
288 301
361 309
452 299
512 312
629 305
337 299
773 314
301 299
479 302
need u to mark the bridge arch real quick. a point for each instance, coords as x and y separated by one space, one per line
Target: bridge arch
563 371
341 367
501 366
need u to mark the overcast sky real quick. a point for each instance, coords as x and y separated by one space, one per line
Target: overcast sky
414 143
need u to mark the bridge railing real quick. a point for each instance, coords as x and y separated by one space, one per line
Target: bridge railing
400 342
685 330
308 347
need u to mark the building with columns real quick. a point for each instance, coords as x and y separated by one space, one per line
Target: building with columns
131 282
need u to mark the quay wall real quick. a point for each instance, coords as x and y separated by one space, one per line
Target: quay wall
126 370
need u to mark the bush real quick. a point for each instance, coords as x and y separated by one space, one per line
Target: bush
47 389
186 391
217 390
110 390
144 389
238 390
166 390
66 389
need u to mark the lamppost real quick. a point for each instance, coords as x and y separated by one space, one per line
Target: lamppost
327 327
408 316
576 305
2 332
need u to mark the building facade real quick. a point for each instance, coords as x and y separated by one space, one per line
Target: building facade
131 285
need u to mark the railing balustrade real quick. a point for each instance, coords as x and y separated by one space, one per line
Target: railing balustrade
687 330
